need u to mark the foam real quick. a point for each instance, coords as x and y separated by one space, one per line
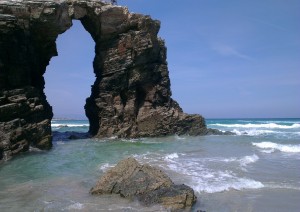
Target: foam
106 166
261 132
234 183
248 159
75 206
204 179
69 125
254 132
268 151
213 181
268 126
283 186
197 172
243 161
179 138
281 147
171 156
280 121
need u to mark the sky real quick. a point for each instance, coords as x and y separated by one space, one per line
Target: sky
226 59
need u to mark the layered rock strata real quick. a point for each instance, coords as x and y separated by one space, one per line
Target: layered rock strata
131 96
148 184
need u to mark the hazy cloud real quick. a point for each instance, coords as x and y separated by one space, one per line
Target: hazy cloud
226 50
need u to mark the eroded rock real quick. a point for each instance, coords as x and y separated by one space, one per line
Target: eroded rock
148 184
131 96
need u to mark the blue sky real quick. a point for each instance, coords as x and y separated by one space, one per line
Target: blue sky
227 59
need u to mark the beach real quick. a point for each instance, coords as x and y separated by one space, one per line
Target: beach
255 170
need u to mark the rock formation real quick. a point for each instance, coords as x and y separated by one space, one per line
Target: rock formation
148 184
131 96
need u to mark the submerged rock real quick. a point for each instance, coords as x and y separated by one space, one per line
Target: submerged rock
211 131
146 183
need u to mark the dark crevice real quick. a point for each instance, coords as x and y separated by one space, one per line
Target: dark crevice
140 97
123 95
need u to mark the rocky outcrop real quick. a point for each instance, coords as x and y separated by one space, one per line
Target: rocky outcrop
131 96
24 121
148 184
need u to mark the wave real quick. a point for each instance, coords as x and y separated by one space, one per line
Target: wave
203 179
290 121
270 147
248 159
264 132
254 132
268 126
198 173
243 161
283 186
234 183
171 156
69 125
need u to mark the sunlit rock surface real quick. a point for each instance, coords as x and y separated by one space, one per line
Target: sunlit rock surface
148 184
131 96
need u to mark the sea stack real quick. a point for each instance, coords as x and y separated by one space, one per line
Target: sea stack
131 96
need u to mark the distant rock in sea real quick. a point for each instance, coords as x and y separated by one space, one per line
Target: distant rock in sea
148 184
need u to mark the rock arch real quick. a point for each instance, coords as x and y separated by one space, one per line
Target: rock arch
131 96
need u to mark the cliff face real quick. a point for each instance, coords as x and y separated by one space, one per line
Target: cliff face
131 96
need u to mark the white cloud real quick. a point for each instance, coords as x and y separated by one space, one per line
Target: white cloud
226 50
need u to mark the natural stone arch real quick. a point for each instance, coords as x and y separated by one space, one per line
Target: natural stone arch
131 96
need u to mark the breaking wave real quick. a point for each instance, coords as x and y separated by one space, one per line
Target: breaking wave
69 125
267 125
270 147
204 179
231 182
198 174
171 156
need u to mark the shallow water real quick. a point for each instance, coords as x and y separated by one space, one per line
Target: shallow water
257 171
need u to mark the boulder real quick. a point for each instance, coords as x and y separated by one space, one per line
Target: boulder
146 183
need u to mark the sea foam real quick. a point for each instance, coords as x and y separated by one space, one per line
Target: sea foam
281 147
69 125
234 183
254 132
75 206
210 180
203 179
248 159
243 161
171 156
268 126
104 167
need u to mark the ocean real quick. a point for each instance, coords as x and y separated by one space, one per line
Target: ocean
258 169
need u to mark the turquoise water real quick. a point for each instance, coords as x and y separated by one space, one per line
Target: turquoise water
255 170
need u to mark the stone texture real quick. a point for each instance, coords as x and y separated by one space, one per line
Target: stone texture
131 96
24 120
148 184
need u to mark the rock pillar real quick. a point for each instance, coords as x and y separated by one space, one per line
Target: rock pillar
131 96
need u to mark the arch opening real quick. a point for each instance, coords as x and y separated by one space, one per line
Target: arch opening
130 97
69 76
